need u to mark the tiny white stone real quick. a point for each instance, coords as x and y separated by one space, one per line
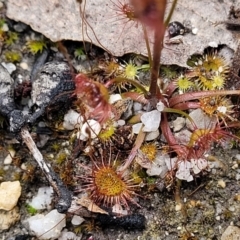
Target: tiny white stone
237 156
159 167
222 109
51 155
170 162
137 106
178 207
201 120
194 30
23 166
91 129
48 226
81 137
70 235
24 65
121 122
198 165
5 27
9 158
160 106
152 135
183 171
136 128
77 220
235 166
43 199
72 119
178 124
221 183
9 66
151 121
117 208
114 98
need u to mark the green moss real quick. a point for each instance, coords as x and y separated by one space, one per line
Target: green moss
31 210
169 71
61 157
79 53
12 56
2 172
36 46
12 37
227 214
55 146
2 22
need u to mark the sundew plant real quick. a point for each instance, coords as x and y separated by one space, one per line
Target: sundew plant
199 89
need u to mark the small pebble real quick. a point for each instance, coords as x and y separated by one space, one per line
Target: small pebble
70 235
43 198
48 226
77 220
231 233
178 124
72 119
10 193
221 183
114 98
179 228
136 128
178 207
137 107
218 218
121 122
9 158
151 121
23 166
194 31
20 27
91 129
24 65
152 135
237 156
5 27
237 197
9 66
235 166
232 209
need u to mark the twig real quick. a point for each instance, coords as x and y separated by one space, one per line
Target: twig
65 196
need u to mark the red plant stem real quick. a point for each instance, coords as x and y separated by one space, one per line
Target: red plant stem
171 87
135 96
196 95
158 39
171 140
138 143
187 105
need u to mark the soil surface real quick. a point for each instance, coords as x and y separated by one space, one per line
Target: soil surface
200 209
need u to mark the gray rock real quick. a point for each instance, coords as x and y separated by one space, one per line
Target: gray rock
8 218
107 27
231 233
9 192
